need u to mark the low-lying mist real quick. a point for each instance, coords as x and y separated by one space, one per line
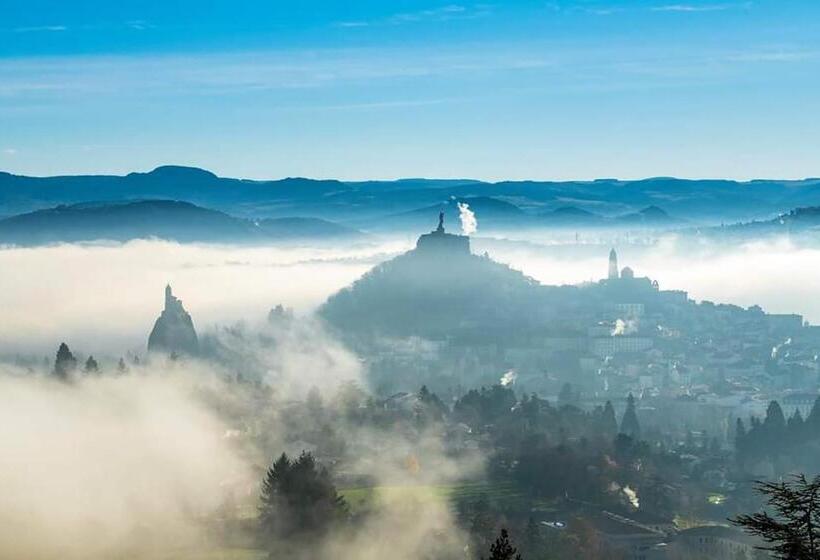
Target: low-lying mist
111 466
165 460
168 456
777 275
104 298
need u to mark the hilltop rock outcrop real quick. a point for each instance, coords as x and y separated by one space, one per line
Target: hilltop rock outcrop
438 290
173 332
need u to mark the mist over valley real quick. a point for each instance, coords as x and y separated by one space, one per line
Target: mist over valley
410 280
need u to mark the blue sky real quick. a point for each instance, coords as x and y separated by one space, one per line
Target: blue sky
361 89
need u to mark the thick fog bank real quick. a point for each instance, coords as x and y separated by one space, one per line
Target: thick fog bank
111 466
779 276
165 460
105 298
166 455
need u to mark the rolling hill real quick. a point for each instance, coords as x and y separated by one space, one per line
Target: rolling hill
163 219
375 203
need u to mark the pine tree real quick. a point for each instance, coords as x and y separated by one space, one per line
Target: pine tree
774 429
740 433
795 428
298 501
271 499
813 420
65 363
741 442
794 532
567 396
501 549
775 419
629 422
91 366
430 407
609 422
531 409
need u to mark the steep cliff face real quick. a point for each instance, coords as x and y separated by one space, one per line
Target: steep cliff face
173 332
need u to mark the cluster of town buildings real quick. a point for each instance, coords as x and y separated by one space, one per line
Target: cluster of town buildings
694 367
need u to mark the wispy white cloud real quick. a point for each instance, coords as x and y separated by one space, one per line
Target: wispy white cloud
780 55
394 104
45 82
444 12
40 29
139 25
447 12
253 71
608 9
351 24
603 11
590 9
134 24
9 151
691 8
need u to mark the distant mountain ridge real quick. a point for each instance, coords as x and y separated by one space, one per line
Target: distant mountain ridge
800 221
574 217
359 203
164 219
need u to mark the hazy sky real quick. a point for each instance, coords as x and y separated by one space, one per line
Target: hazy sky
375 88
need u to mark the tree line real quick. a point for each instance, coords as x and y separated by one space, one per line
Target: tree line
790 444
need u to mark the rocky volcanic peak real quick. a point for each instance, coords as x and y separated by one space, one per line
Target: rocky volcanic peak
173 332
433 290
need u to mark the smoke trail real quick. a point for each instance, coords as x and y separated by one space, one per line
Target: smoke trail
508 378
469 223
624 327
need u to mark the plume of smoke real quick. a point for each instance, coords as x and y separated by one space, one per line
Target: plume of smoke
776 349
508 378
469 223
632 496
625 327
